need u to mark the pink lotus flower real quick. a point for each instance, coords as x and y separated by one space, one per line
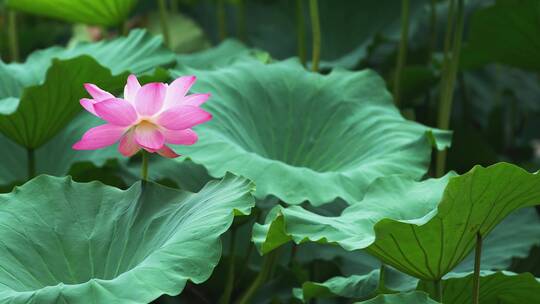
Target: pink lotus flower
148 117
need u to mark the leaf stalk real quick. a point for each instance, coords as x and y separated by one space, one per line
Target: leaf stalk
476 276
402 52
31 158
164 23
316 31
450 69
13 35
265 273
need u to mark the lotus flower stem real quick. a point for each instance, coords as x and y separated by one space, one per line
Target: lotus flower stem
402 53
382 273
164 22
123 28
12 35
31 158
316 30
301 31
267 268
432 29
144 166
229 285
221 20
438 290
174 6
476 276
450 68
241 21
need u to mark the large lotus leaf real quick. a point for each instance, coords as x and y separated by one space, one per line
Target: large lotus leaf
67 242
304 136
505 32
423 228
414 297
50 82
495 288
222 55
97 12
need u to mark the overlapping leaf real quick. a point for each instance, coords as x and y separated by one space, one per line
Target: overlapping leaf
54 157
96 12
40 96
413 226
414 297
81 243
306 137
357 286
512 238
495 288
222 55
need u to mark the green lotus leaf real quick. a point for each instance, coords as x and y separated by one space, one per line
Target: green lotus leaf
220 56
185 35
96 12
495 288
512 238
44 110
56 156
50 83
356 286
304 136
414 297
424 229
91 243
505 32
182 173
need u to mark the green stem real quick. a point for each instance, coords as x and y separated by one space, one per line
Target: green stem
164 22
12 35
294 250
174 6
450 69
432 29
267 267
144 166
31 158
226 297
301 31
316 32
402 53
382 273
241 21
438 290
222 25
476 277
